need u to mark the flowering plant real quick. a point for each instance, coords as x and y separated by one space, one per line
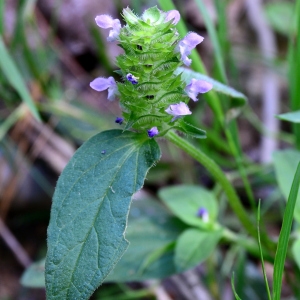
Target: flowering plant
86 234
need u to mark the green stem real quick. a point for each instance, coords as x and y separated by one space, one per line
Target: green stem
220 177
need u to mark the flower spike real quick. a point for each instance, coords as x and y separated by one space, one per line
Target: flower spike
173 15
178 110
106 21
186 45
197 87
152 132
100 84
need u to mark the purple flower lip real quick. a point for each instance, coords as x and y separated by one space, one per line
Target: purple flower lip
178 110
187 44
152 132
197 87
106 21
203 214
119 120
172 15
132 78
100 84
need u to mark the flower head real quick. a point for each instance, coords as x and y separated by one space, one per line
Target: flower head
178 110
186 45
100 84
119 120
197 87
173 15
152 132
132 78
106 21
203 214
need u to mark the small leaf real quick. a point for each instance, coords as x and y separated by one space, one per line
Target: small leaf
184 201
277 13
285 163
190 129
89 211
293 117
194 246
14 77
238 98
34 276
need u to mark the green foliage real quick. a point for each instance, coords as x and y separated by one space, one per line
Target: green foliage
277 13
284 236
296 252
151 229
14 77
293 117
285 163
194 246
90 208
184 201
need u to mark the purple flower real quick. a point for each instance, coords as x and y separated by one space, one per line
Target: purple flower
132 78
172 15
119 120
106 21
152 132
178 110
186 45
203 214
100 84
197 87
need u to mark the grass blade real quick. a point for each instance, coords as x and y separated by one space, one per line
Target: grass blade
284 236
261 253
14 77
233 288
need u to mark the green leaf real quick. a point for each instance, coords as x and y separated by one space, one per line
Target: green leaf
190 129
184 201
14 77
285 163
150 230
293 117
34 276
238 98
278 13
284 236
296 252
194 246
90 208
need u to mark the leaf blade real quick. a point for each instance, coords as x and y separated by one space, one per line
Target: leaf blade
89 211
284 236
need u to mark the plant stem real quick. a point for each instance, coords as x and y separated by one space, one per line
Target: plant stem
220 177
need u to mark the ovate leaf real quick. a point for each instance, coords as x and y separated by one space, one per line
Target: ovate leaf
195 246
185 200
237 98
285 163
89 211
190 129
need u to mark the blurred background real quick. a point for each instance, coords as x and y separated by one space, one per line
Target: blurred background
49 52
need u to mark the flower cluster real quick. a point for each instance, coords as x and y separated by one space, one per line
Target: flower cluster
152 97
